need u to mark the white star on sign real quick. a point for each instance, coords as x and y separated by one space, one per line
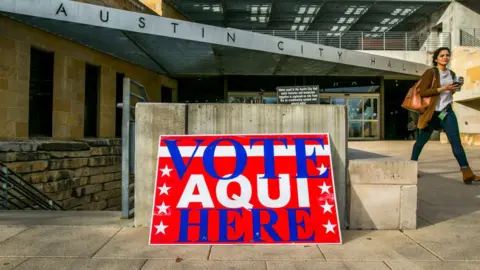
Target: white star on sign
162 208
166 171
164 189
322 169
329 227
161 228
324 188
326 207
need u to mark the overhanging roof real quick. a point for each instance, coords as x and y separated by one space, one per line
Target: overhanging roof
302 15
178 48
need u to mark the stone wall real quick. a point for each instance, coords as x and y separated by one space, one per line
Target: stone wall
16 41
79 175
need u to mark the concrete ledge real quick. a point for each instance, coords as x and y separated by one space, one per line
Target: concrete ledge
383 171
383 194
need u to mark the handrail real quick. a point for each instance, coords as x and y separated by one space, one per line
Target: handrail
363 40
470 37
16 192
128 140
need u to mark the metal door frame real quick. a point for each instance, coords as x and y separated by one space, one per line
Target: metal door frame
348 96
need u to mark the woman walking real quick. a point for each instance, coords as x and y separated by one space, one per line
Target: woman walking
439 114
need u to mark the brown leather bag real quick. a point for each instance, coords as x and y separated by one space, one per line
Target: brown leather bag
414 102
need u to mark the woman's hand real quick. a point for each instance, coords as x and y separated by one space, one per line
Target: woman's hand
450 87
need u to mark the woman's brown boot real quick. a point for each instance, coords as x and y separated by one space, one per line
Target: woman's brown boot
469 176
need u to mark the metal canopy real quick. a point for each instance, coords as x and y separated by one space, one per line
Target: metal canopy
302 15
178 48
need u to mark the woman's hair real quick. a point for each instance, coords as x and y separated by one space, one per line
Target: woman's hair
437 52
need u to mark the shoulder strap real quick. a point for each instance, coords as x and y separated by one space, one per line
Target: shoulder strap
453 74
436 75
437 72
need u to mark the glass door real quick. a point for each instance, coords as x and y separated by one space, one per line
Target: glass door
363 116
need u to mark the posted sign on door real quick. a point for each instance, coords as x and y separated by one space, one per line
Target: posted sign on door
245 189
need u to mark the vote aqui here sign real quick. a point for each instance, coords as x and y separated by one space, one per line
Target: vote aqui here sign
245 189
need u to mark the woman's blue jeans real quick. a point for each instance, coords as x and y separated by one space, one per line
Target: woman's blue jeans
450 125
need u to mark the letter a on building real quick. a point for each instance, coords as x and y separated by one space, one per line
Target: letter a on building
245 189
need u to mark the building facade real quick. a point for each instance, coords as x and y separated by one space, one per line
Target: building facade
63 65
53 88
382 28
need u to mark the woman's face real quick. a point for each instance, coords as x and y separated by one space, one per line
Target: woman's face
443 57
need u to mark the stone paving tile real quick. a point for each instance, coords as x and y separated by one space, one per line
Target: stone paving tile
445 265
266 252
10 263
64 218
299 265
458 216
133 243
376 246
449 242
205 265
56 242
7 232
80 264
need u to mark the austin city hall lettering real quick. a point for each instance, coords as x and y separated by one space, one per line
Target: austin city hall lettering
244 189
104 17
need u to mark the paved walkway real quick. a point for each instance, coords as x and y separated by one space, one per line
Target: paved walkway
448 236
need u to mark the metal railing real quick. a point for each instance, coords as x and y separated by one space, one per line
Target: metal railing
470 37
359 40
18 194
133 92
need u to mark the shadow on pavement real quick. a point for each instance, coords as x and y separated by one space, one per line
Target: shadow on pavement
359 154
442 196
447 199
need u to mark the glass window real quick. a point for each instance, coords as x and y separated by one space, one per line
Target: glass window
355 129
370 129
40 107
355 108
371 109
338 101
325 100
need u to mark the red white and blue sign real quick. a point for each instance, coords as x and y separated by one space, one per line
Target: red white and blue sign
245 189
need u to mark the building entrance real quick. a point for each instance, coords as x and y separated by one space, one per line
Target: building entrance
363 113
396 117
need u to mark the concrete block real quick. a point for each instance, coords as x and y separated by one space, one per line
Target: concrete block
375 207
408 207
384 171
279 118
152 120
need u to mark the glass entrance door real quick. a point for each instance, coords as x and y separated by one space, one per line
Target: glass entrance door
363 116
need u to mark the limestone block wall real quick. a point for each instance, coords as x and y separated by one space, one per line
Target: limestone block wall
70 59
80 175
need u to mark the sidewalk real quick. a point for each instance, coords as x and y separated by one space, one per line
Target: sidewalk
448 234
